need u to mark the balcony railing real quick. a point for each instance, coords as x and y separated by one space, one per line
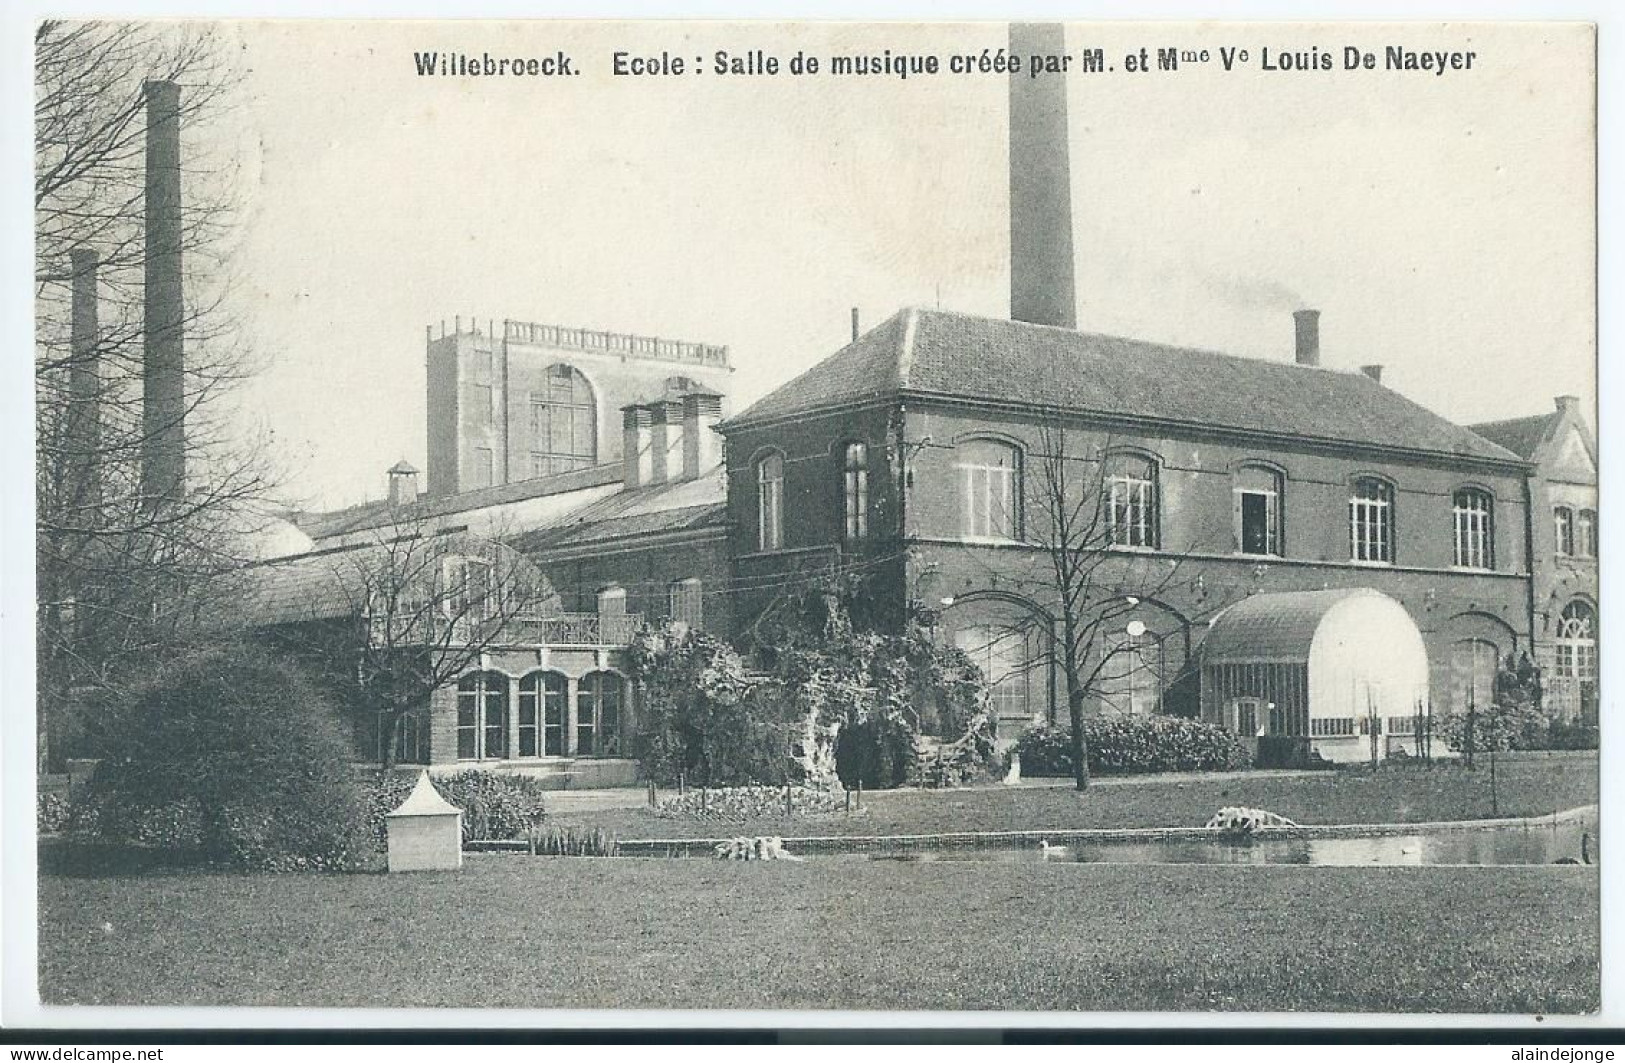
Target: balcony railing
577 629
621 343
562 629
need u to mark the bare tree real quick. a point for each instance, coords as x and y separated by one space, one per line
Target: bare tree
115 565
1099 556
417 610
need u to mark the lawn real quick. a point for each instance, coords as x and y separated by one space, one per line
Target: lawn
552 932
1527 785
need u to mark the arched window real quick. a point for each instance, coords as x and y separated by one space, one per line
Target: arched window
541 714
482 716
1131 501
1259 502
598 715
563 423
1131 676
990 489
1585 533
1006 659
1577 643
1563 527
856 490
1475 528
1473 663
770 502
1371 521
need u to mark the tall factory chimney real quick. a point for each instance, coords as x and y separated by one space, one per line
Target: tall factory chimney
163 458
1306 332
1041 286
84 427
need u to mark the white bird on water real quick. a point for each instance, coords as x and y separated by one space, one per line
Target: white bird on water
1051 852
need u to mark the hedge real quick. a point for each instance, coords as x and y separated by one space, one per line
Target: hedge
1130 745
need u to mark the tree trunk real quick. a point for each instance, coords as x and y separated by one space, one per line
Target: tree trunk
1080 744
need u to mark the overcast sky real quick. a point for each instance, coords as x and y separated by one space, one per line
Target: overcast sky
1443 225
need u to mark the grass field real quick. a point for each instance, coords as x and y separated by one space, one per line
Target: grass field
552 932
1527 785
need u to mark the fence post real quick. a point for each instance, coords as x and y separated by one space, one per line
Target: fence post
860 792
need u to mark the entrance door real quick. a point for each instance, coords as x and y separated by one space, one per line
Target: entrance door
1243 716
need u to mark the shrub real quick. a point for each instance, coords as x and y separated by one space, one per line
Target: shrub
575 841
1127 745
496 806
739 803
1559 735
235 754
52 812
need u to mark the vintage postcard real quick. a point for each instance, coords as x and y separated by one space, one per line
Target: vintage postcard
1014 519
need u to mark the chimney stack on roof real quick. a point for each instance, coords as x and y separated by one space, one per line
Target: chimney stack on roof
163 464
702 410
666 433
403 484
1042 291
637 446
1568 404
1307 323
1372 371
854 324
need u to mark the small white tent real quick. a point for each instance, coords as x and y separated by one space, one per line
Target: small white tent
1346 669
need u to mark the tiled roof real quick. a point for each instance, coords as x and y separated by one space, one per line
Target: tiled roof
950 355
1521 435
377 514
696 503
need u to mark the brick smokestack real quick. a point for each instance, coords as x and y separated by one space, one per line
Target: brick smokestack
1041 286
163 458
1306 323
84 427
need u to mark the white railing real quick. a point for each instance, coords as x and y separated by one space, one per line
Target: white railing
622 343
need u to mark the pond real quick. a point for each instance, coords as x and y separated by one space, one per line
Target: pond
1501 845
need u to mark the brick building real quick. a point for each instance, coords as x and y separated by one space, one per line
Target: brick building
914 455
1563 550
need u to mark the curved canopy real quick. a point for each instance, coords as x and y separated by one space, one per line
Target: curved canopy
1281 628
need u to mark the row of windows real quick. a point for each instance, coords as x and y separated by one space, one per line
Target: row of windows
1576 531
543 723
990 491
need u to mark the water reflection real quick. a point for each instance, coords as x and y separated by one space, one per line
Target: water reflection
1502 845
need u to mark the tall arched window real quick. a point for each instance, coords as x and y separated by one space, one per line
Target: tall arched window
1131 501
563 423
541 714
598 715
1371 520
482 716
1563 529
1473 663
1259 505
990 489
1006 659
1577 643
855 483
770 502
1475 528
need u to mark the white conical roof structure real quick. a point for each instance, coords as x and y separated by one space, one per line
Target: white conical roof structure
425 800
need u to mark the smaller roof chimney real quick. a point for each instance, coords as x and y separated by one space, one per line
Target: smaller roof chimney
854 324
403 484
1307 324
1372 371
637 446
1568 404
